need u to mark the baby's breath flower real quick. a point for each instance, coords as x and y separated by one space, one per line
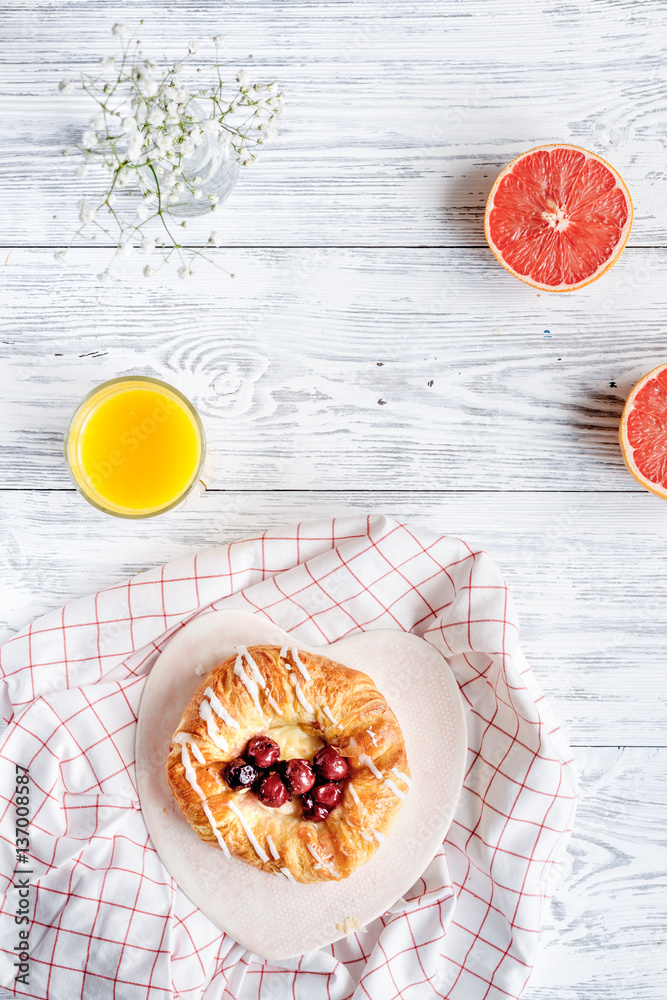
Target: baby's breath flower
134 147
60 256
155 116
148 271
146 128
86 211
193 48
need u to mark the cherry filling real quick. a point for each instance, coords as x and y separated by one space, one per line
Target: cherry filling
313 810
240 774
327 795
262 751
299 776
272 791
329 763
274 782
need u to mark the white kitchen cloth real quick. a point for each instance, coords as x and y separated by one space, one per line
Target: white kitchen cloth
107 919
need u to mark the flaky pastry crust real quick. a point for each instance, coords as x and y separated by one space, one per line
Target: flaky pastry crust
272 688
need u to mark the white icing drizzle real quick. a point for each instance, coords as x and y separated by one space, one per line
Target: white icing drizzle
296 659
211 818
248 682
190 775
300 666
273 703
366 836
327 712
372 736
192 780
272 848
219 710
214 734
288 875
299 693
393 787
354 794
259 851
187 739
403 777
365 761
380 837
254 669
321 862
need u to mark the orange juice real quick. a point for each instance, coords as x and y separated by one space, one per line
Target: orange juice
135 447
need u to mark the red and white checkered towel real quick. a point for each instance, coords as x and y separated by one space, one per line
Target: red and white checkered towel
109 922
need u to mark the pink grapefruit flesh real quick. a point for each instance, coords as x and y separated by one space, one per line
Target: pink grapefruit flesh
558 217
643 431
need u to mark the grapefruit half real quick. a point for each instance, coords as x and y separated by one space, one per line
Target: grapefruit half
643 431
558 217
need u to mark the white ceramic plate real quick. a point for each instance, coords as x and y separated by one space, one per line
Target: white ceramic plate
269 915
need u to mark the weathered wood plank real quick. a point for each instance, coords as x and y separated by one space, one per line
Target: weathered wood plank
428 369
586 571
605 934
399 116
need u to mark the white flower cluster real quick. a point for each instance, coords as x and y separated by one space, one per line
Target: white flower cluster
147 125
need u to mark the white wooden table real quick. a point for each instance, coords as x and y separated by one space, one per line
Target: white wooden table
370 354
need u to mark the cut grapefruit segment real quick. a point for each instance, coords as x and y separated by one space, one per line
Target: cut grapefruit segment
643 431
558 217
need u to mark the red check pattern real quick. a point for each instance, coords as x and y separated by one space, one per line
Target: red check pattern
108 921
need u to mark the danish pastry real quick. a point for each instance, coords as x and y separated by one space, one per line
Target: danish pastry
291 762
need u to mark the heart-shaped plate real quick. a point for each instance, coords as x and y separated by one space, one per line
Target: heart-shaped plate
275 918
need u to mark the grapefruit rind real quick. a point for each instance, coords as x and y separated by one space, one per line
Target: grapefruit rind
626 448
605 266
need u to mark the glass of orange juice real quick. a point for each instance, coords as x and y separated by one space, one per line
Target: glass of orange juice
135 447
